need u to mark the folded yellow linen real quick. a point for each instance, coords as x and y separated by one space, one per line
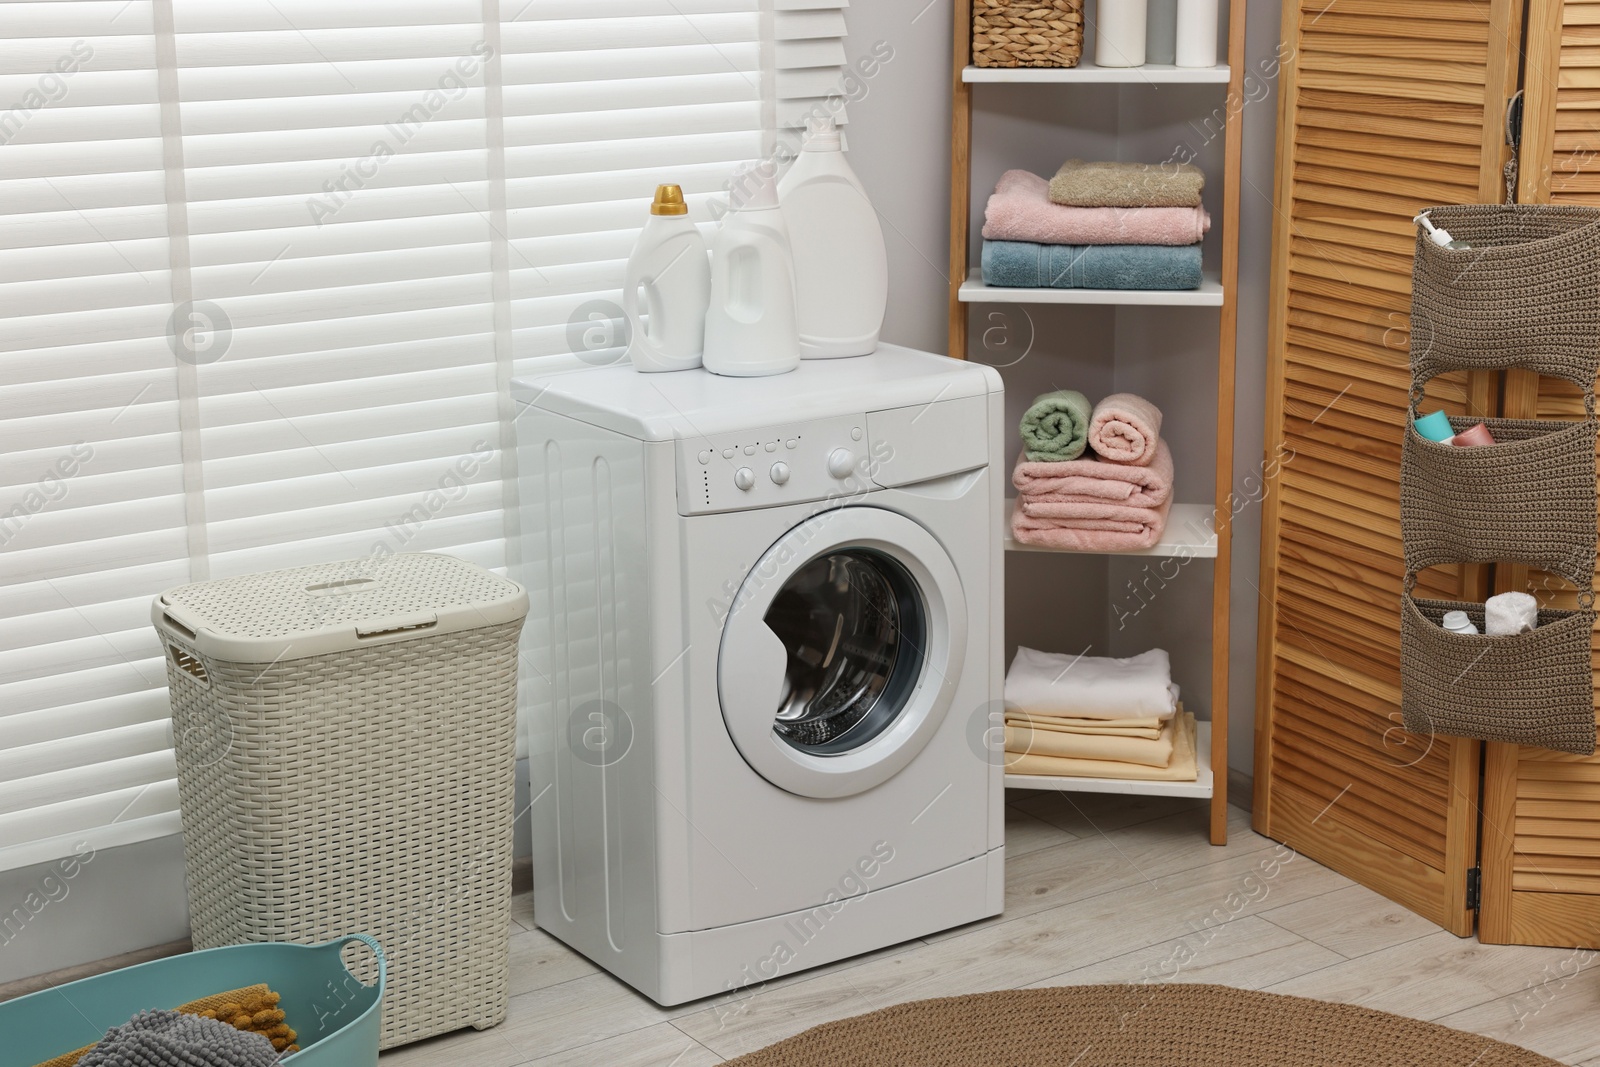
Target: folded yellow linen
1023 740
1146 728
1183 768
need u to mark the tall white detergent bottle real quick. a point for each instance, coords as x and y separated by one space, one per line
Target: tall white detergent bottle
841 270
750 324
669 264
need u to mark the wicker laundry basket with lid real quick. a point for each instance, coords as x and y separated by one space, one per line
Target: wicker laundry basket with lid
346 742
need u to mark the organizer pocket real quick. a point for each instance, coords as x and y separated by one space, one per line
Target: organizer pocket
1527 498
1526 293
1533 688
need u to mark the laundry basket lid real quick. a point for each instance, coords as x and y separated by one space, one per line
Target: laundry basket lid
333 607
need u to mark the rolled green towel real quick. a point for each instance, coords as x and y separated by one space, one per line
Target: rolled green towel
1056 427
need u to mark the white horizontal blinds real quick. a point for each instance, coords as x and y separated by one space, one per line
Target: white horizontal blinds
262 264
604 99
336 163
808 55
92 508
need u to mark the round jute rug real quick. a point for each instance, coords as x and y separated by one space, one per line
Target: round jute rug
1166 1025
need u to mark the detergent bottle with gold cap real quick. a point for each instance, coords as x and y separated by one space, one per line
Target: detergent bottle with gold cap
670 268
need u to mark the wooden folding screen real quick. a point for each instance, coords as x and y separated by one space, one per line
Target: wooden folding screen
1541 809
1386 108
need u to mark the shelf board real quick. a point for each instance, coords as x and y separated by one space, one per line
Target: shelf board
1089 74
1201 787
973 291
1182 537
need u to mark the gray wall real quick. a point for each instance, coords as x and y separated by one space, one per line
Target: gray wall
899 144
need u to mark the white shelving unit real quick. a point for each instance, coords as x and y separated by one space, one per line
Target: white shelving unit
1189 532
1201 787
1089 74
1210 294
1191 528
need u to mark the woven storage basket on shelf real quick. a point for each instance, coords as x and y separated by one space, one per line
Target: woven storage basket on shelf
1526 294
1528 497
346 741
1533 688
1046 33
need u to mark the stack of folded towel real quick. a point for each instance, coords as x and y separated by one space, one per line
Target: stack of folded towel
1095 717
1113 500
1096 226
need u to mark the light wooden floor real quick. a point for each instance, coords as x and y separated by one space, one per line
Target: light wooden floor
1099 889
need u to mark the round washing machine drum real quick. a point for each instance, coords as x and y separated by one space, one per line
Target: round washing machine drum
842 652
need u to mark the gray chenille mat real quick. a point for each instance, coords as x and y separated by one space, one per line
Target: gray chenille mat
169 1039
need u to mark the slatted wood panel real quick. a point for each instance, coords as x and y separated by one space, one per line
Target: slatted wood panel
1541 832
1386 109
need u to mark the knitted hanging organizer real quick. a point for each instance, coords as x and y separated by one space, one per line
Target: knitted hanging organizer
1526 293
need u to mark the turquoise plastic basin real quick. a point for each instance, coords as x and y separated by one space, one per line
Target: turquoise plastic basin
335 1016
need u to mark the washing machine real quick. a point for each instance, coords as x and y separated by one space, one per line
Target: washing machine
762 668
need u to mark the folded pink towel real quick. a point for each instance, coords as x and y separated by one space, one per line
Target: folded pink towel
1125 429
1089 527
1020 210
1093 480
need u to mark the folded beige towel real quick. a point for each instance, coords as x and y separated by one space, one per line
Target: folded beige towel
1083 184
1021 740
1183 768
1147 728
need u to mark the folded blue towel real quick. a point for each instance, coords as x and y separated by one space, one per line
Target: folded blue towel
1025 265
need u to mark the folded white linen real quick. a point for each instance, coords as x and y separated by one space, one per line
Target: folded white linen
1092 687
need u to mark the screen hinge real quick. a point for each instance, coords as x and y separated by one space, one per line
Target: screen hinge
1514 141
1474 887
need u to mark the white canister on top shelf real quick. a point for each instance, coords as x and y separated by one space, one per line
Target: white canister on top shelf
1197 33
1119 34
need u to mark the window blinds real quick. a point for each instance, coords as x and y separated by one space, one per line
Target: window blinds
267 268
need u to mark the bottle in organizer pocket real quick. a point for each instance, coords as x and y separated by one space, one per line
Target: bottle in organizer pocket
1459 622
1119 36
841 270
1473 436
751 327
669 266
1196 44
1435 426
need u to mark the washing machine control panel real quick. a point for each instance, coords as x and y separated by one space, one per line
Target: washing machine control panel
775 465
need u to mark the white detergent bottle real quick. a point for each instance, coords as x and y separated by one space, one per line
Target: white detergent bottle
669 264
750 324
841 269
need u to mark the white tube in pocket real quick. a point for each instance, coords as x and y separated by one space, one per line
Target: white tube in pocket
1119 38
1197 33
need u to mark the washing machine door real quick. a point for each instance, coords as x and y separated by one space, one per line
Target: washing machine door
842 652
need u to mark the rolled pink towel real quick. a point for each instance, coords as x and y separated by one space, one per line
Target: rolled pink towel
1020 210
1125 429
1095 480
1089 527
